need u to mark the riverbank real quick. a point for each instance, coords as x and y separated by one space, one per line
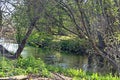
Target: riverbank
36 69
76 61
58 58
55 76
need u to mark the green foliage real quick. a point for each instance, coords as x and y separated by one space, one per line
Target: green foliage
23 66
80 74
55 69
77 46
37 66
7 68
21 22
40 39
64 43
32 65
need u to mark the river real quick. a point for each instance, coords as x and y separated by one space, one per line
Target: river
56 58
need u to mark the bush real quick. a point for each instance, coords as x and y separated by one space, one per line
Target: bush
77 46
23 66
32 65
40 39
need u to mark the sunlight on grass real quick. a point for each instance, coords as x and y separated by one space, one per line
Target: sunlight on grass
58 38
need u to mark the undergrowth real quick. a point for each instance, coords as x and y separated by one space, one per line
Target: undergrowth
21 66
80 74
31 65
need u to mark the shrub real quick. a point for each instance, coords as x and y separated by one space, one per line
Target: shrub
32 65
23 66
40 39
77 46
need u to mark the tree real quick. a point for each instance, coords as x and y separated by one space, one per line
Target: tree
95 20
96 16
0 15
35 9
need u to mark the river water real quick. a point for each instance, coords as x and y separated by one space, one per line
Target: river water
56 58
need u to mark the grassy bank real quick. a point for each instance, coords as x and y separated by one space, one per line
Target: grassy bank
31 65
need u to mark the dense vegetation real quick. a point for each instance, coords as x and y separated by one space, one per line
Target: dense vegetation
80 27
23 66
31 65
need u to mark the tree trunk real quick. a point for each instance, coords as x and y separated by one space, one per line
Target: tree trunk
35 9
0 15
22 45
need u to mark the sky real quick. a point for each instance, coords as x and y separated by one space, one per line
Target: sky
7 7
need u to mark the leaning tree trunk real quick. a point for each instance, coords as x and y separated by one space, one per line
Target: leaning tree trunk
35 9
22 45
0 15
